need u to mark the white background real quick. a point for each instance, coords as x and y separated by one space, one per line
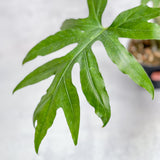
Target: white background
133 132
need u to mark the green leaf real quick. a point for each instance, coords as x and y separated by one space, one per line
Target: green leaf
93 86
96 8
53 43
62 93
42 72
143 30
137 15
133 23
125 61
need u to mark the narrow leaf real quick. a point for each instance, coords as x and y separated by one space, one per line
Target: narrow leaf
53 43
96 8
42 72
70 103
137 15
142 30
93 86
44 115
125 61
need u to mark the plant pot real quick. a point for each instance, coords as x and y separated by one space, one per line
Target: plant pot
154 74
147 54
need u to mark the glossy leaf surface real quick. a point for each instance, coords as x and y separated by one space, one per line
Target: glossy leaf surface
133 23
62 93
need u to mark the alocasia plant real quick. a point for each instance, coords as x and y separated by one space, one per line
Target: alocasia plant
62 93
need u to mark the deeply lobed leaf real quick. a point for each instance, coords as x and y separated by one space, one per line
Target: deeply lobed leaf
62 93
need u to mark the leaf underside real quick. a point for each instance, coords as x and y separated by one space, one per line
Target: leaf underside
62 93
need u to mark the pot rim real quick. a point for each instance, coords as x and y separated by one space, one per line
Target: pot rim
150 66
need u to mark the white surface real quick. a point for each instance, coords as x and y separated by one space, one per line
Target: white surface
133 132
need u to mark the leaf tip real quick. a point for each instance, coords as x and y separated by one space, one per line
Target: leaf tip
152 94
106 120
105 123
36 145
151 90
28 57
14 90
75 140
36 149
24 61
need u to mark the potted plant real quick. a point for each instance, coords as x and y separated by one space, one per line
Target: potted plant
132 23
147 52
